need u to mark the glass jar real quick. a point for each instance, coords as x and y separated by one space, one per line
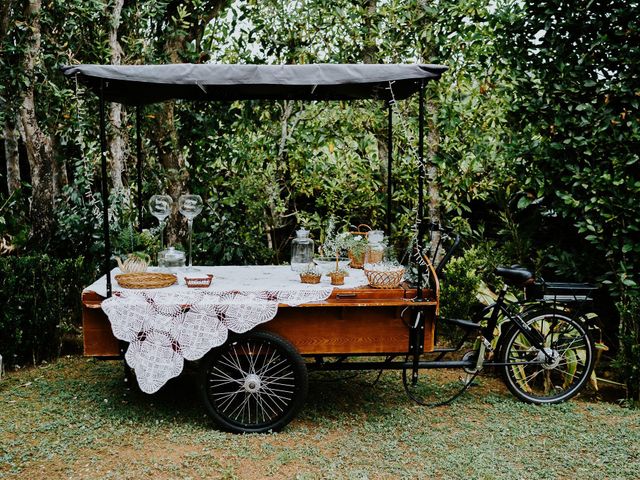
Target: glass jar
374 253
301 250
171 258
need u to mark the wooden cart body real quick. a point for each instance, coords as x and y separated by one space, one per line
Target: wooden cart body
351 322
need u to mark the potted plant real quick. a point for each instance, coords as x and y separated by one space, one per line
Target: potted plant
337 276
356 248
310 274
331 250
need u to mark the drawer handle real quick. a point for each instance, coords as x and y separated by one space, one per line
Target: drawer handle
346 295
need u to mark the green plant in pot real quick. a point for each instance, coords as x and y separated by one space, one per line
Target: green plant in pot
333 251
310 274
337 276
356 246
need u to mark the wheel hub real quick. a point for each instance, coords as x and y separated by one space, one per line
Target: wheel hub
252 383
549 358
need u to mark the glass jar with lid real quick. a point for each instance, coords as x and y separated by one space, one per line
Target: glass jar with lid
171 258
301 250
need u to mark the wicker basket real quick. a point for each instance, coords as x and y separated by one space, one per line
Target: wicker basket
359 230
145 280
357 261
337 278
384 279
310 278
199 282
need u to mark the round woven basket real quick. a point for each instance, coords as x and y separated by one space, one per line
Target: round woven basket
337 278
309 278
384 279
146 280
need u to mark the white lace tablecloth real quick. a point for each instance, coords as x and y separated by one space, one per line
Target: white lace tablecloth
165 326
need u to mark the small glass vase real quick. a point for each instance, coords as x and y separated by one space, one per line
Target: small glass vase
301 250
375 250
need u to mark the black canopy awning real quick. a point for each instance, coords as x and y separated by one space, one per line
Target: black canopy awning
144 84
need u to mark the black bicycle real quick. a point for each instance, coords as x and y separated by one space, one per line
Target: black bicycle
542 346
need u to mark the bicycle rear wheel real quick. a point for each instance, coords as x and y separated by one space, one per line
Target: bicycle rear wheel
554 373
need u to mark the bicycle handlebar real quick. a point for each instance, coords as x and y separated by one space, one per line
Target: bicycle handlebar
447 257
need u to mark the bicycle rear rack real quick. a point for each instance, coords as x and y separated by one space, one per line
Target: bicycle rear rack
560 292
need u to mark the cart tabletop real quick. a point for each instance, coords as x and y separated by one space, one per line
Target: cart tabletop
261 280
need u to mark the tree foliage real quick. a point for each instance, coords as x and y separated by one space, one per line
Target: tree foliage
575 87
532 144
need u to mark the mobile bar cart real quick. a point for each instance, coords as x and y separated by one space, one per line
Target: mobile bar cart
257 381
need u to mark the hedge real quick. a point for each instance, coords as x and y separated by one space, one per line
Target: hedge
40 299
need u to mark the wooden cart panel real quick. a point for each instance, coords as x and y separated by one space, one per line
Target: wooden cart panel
349 322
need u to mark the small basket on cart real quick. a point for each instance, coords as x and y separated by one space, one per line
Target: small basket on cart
199 282
384 278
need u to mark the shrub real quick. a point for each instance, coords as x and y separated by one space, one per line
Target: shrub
628 361
460 285
40 296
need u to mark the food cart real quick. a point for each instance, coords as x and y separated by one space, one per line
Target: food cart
256 330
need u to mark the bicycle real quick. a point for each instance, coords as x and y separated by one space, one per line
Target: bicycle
543 348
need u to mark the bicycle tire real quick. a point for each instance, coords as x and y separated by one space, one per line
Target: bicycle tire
548 379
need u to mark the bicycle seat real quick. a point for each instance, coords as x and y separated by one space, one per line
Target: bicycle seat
515 276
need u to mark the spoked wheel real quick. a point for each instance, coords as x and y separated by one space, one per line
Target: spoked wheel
439 386
554 373
254 383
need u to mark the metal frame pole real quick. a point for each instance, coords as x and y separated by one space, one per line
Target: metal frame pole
139 166
105 191
389 165
421 178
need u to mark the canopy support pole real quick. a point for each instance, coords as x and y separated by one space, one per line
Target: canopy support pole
389 164
139 166
105 191
421 178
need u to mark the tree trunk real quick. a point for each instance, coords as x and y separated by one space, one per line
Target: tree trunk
432 179
165 138
370 54
59 173
276 220
5 12
164 134
118 145
9 129
12 154
38 144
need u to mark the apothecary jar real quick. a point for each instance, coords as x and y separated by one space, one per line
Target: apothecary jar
302 248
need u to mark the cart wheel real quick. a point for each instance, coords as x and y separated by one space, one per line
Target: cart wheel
254 383
555 374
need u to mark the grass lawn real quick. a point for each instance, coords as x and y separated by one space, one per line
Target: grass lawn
75 419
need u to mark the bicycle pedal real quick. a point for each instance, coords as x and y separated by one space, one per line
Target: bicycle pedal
487 344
